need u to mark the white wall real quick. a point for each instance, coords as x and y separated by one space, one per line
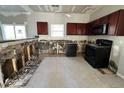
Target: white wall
117 54
54 18
121 64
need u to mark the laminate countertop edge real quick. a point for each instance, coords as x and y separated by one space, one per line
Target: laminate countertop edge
5 41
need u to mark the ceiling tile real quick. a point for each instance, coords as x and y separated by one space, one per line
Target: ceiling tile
82 9
35 8
67 8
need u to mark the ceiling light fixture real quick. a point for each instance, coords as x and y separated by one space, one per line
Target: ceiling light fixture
68 15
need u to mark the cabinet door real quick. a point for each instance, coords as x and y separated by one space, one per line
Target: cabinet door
120 26
71 29
95 22
89 29
80 29
42 28
104 20
113 20
83 29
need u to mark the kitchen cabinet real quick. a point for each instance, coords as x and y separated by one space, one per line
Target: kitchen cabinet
95 22
71 29
104 20
89 29
89 26
113 20
81 29
116 23
120 24
42 28
76 29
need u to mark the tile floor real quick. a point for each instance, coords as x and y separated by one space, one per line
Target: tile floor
71 72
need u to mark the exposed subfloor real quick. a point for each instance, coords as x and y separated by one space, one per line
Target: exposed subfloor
71 72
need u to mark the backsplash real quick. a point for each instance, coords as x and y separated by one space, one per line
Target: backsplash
58 46
66 37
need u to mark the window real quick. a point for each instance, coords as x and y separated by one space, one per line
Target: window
57 30
12 32
20 32
8 32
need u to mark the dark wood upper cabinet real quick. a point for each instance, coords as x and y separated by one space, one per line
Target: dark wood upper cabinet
104 20
89 29
96 22
120 24
76 29
115 23
71 29
113 20
81 29
42 28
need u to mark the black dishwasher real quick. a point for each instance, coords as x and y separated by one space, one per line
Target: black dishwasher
71 50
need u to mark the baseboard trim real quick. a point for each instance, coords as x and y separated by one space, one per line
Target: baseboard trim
120 75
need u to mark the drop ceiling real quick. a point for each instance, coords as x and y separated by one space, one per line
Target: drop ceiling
82 9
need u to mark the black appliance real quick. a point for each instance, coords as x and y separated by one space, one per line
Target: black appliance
97 55
71 50
100 29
